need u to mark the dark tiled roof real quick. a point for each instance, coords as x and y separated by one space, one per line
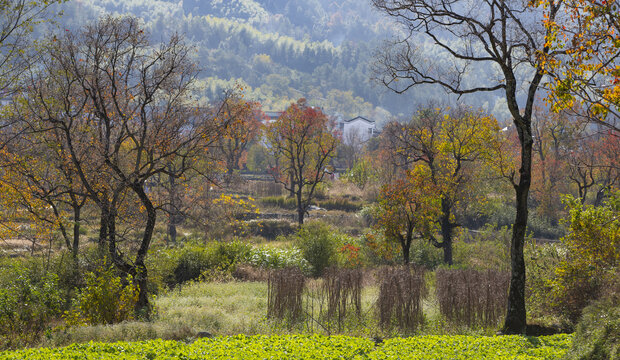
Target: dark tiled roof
360 118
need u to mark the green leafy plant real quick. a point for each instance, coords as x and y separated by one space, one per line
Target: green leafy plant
270 258
27 305
314 347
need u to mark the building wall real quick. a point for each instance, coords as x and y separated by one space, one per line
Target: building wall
357 130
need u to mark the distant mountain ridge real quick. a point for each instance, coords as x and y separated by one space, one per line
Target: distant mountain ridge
279 50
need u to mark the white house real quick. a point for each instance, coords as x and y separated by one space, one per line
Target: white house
358 129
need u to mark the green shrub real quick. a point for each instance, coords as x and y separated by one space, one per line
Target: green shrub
424 254
271 229
191 261
541 261
598 333
341 204
279 259
318 243
174 266
486 249
591 256
541 227
28 303
106 299
227 254
378 251
361 174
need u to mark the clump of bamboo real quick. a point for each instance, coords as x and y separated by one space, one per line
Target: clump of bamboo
401 290
284 294
344 290
472 297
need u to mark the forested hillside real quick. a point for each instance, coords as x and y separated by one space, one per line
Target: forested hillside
281 50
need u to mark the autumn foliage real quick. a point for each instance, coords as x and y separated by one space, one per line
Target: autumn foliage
302 143
408 209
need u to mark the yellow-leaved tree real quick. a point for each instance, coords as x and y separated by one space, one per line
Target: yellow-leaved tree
453 146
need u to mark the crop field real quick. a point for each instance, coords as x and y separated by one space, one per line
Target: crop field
313 347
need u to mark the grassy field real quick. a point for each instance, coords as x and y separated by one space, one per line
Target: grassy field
232 308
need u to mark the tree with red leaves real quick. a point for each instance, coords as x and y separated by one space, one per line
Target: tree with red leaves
303 145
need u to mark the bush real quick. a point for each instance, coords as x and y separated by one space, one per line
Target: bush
378 251
541 261
318 243
425 254
598 333
278 259
271 229
178 265
592 251
190 263
541 227
487 249
106 299
28 303
341 204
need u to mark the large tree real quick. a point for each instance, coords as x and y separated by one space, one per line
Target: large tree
408 208
244 124
303 145
119 110
506 38
451 144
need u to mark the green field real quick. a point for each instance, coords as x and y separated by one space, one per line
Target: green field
314 347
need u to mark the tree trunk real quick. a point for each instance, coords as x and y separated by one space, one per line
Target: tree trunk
516 317
406 258
76 231
300 208
172 213
405 243
103 228
447 251
292 182
143 306
600 196
446 232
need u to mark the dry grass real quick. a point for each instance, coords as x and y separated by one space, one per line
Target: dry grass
472 297
218 308
285 290
343 288
401 291
260 188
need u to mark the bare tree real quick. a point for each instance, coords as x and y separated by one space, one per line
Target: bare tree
506 37
122 113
